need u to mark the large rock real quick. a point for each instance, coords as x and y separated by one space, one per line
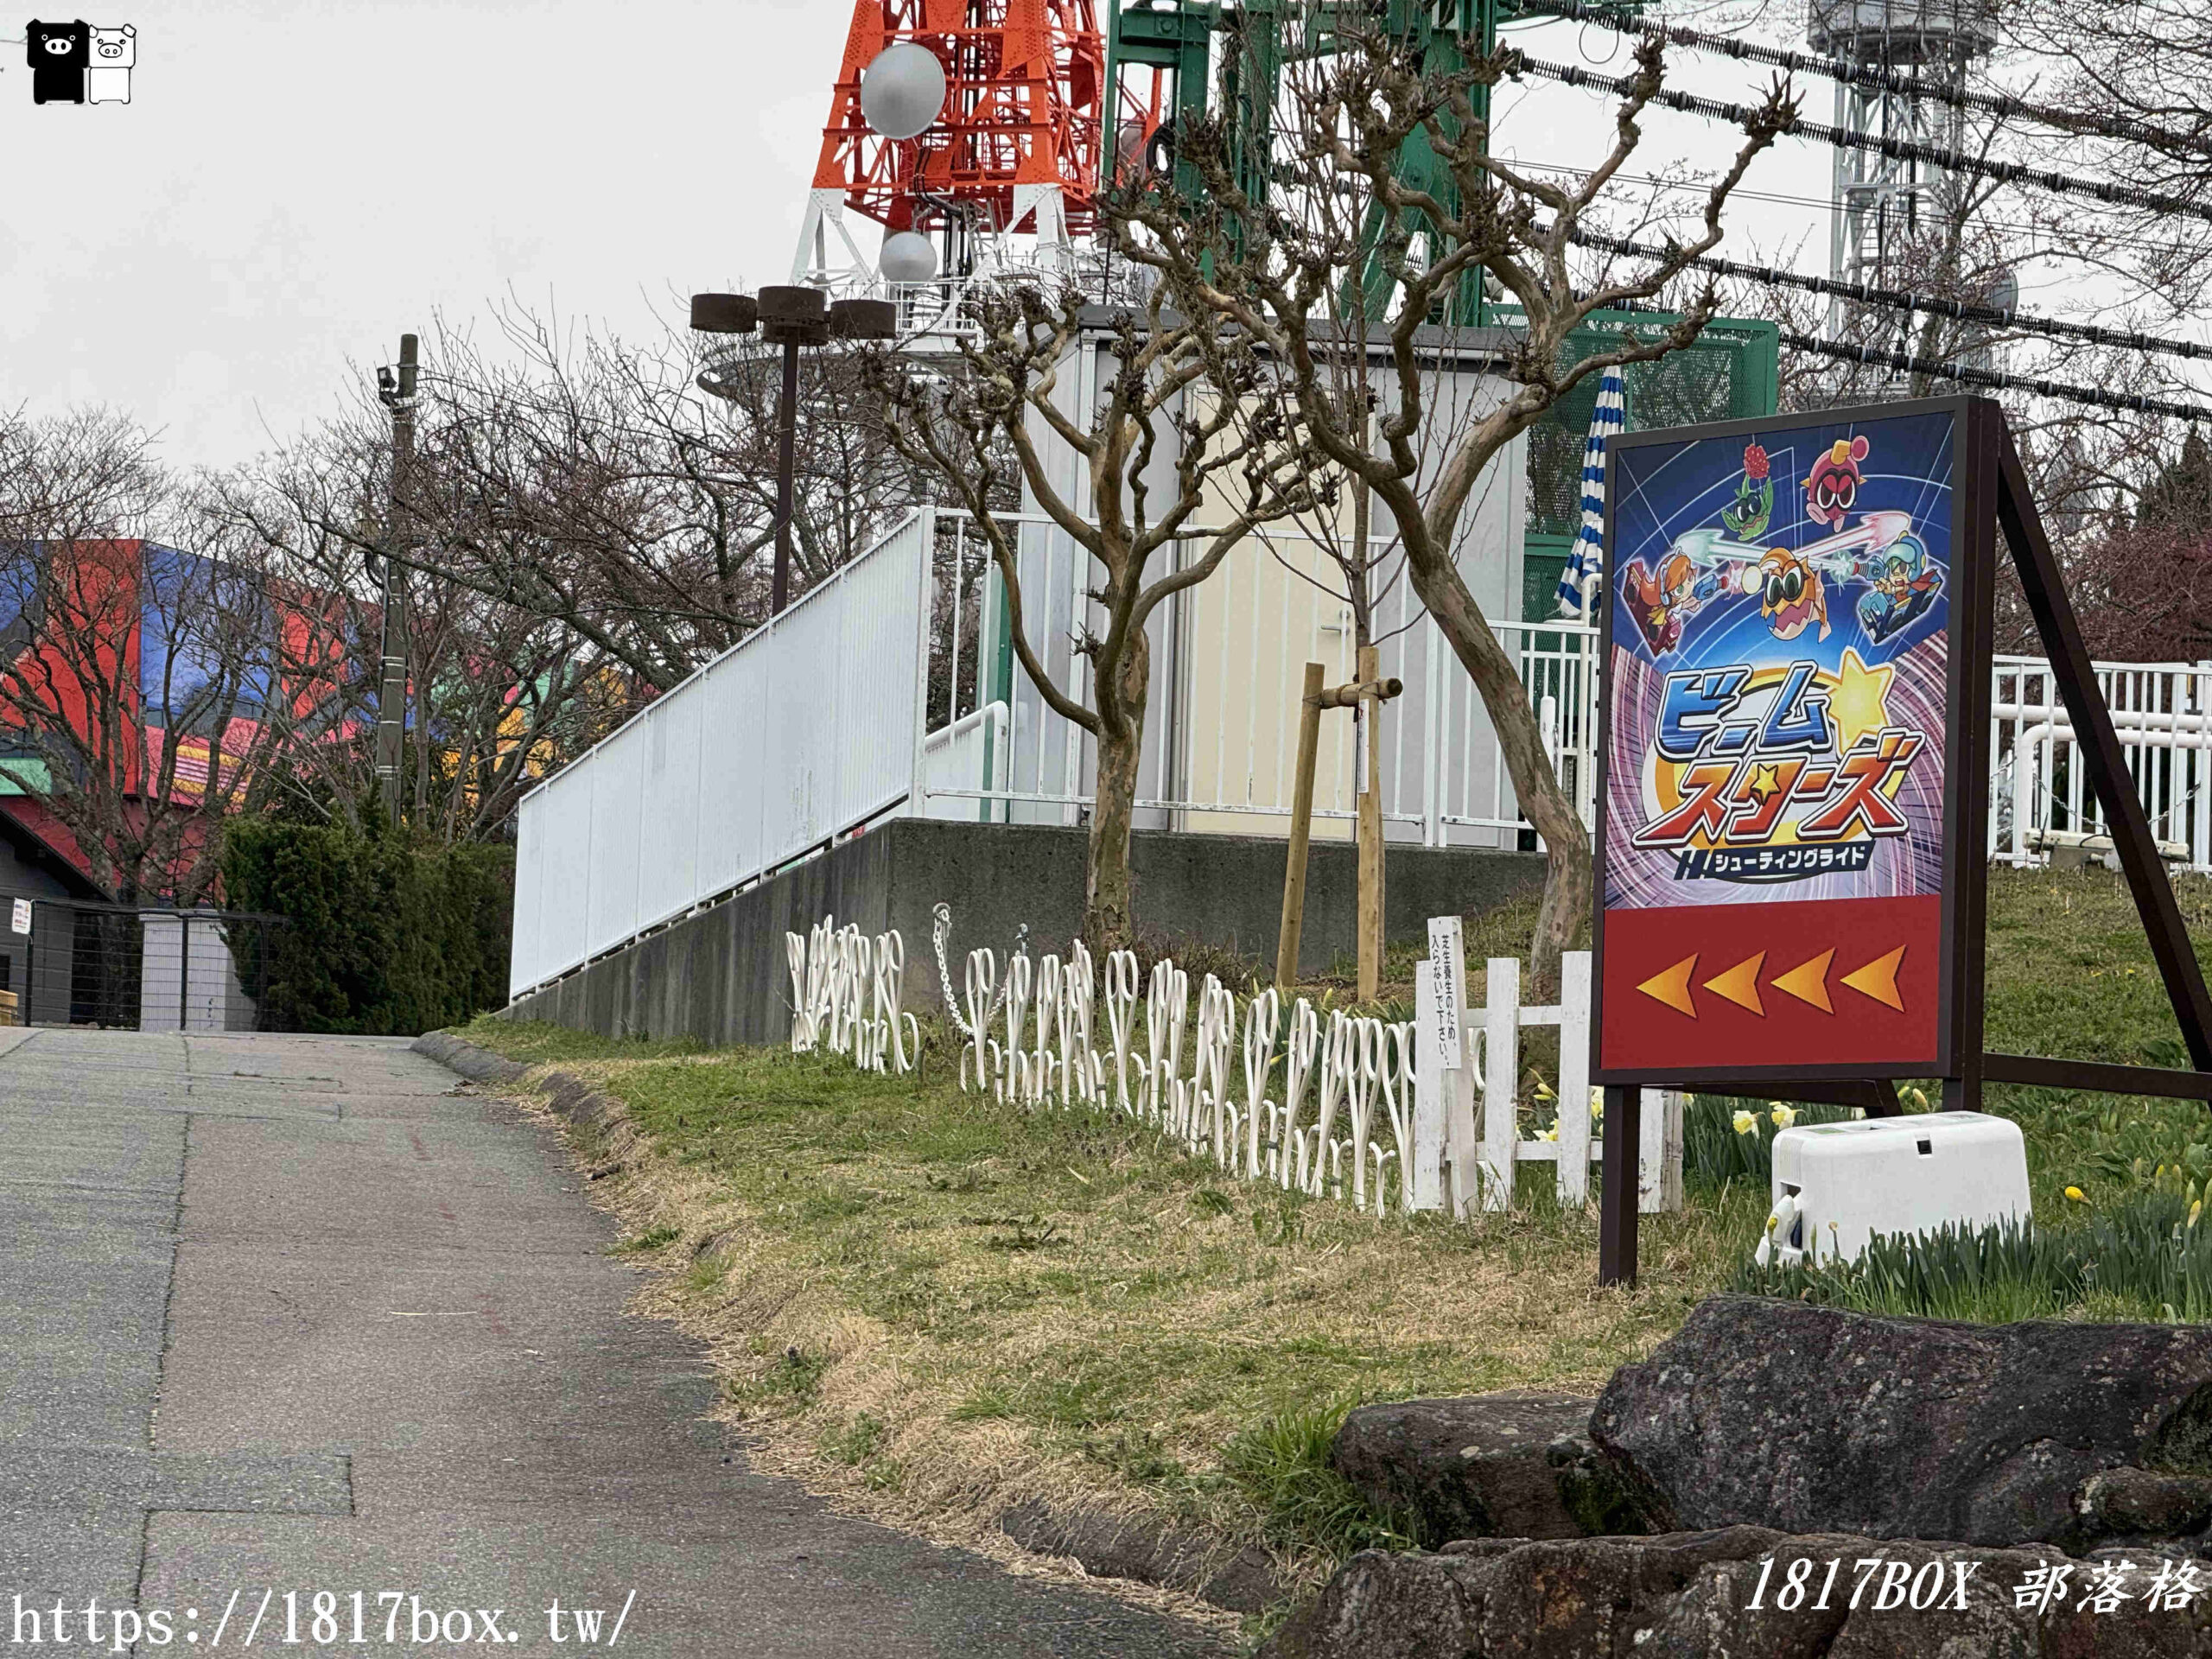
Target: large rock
1806 1419
1516 1464
1690 1595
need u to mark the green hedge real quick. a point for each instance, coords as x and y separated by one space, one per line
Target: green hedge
387 935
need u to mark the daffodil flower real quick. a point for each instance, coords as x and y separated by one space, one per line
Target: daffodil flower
1745 1123
2077 1195
1783 1116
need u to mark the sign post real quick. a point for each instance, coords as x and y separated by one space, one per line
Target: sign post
1447 982
1793 744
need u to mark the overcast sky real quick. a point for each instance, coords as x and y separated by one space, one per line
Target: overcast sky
294 185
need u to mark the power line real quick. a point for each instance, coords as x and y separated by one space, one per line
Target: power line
1903 300
1896 149
1824 204
1866 75
2057 389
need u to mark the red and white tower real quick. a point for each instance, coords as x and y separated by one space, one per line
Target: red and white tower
1013 147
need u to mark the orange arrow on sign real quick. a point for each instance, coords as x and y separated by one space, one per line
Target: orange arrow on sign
1741 984
1672 986
1808 981
1879 979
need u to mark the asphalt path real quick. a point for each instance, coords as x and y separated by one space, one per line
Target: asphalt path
289 1321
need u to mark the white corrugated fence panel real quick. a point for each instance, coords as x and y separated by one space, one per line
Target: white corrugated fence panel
564 933
668 830
871 745
730 771
525 953
618 774
799 707
799 731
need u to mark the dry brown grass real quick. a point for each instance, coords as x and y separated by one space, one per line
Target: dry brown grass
932 1306
929 1305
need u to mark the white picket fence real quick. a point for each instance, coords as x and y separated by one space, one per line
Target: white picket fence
845 997
1451 1136
1355 1073
1316 1124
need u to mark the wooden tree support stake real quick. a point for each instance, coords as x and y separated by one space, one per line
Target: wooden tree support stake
1368 694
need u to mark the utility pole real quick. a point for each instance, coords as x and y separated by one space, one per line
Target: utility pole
780 593
392 689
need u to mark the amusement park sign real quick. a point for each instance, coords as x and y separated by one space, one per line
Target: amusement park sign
1776 821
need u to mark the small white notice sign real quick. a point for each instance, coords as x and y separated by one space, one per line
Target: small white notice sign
1447 985
22 918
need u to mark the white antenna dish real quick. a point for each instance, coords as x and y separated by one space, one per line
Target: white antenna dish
902 90
907 256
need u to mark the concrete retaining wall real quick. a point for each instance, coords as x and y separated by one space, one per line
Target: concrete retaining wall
722 975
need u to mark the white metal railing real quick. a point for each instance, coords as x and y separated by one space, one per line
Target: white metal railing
1228 661
889 689
805 729
2162 712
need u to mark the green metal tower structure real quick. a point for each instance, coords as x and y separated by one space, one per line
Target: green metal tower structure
1216 50
1446 34
1205 54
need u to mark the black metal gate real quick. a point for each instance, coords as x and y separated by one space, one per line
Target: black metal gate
69 962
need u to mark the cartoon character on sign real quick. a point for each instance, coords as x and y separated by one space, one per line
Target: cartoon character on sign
1905 585
1792 596
1661 601
1832 485
1746 519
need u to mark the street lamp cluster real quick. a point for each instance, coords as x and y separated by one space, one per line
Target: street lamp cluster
791 318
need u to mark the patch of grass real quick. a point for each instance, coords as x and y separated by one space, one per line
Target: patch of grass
2147 1258
1281 1465
793 1377
534 1042
1030 1232
983 1405
857 1442
651 1239
1059 1303
705 1275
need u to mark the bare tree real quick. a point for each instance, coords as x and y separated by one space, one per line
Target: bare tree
591 483
1265 269
139 674
497 695
1189 439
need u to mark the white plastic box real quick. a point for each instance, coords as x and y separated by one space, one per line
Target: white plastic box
1838 1185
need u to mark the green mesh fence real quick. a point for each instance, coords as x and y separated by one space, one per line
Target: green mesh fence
1729 374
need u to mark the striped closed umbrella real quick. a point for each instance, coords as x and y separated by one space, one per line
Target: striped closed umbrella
1584 558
